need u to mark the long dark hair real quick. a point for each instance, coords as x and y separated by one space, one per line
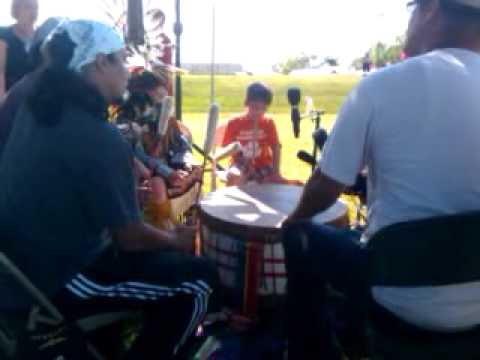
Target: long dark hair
58 86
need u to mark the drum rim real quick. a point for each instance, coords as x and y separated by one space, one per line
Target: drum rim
239 230
252 233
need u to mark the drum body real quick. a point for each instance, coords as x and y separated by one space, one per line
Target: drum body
235 252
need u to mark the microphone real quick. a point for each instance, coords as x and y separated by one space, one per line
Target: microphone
320 137
165 114
306 157
211 128
294 96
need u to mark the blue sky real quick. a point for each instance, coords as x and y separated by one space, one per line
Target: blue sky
259 33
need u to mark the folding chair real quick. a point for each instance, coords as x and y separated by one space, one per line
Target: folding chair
44 312
434 252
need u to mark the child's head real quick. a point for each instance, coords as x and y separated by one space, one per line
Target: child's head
146 82
258 99
138 107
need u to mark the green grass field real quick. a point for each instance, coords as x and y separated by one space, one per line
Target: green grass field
327 91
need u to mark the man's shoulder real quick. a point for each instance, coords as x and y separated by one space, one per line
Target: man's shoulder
397 75
6 33
92 130
5 30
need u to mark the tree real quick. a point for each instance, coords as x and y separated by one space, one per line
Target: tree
331 61
303 61
382 54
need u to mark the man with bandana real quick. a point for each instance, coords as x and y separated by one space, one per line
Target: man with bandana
69 217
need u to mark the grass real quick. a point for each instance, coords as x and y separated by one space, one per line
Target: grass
327 91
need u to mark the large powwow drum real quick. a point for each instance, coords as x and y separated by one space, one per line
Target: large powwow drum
241 233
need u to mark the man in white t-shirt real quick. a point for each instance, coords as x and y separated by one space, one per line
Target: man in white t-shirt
416 127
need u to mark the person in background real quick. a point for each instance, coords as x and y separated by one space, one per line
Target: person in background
67 177
12 101
15 43
167 159
253 140
415 127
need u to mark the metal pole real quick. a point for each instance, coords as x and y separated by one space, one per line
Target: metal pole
178 30
212 69
317 120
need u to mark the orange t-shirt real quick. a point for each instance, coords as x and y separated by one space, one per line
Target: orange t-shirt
258 151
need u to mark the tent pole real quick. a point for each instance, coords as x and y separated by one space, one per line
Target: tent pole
178 30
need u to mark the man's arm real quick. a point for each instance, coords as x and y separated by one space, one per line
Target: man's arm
3 63
140 236
319 194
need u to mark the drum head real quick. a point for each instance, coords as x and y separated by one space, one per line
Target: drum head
256 209
253 206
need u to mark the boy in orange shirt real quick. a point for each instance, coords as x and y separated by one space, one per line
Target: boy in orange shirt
253 141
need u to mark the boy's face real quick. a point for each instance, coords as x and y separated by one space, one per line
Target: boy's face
256 109
158 94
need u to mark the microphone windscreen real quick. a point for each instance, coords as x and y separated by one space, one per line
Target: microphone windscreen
165 114
320 137
294 95
211 128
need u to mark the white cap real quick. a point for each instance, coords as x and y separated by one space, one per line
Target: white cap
92 38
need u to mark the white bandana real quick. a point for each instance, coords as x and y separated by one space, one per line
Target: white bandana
92 38
470 3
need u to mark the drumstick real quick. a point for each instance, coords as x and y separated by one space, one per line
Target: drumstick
211 128
227 151
212 121
167 107
252 161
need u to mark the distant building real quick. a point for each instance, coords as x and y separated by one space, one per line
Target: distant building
224 69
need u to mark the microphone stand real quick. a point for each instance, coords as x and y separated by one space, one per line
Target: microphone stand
316 117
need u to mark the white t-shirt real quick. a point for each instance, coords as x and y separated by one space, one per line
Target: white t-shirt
416 127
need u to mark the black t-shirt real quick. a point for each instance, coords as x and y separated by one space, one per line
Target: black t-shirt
18 61
62 188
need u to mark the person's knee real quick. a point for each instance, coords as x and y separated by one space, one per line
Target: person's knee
295 233
206 274
206 271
